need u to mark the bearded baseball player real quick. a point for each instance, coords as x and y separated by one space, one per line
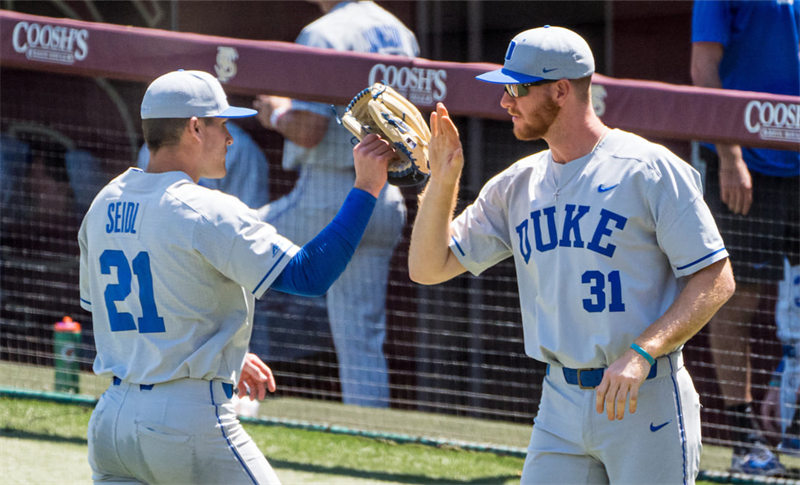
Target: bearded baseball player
170 271
618 261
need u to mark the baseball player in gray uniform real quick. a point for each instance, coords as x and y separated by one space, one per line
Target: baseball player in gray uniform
618 261
319 149
170 271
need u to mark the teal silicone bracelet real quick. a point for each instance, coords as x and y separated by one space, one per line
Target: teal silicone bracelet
649 358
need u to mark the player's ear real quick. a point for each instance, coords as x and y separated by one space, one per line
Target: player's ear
193 126
561 90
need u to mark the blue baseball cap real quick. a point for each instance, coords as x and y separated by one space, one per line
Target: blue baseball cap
543 53
184 94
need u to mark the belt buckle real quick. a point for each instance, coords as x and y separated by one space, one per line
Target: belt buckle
580 381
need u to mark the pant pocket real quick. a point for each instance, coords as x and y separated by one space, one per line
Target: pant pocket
168 454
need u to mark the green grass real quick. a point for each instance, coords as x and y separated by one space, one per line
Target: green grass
36 435
45 442
353 456
18 379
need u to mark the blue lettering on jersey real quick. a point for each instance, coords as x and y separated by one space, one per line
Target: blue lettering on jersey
571 226
570 230
384 39
602 229
524 242
122 217
549 212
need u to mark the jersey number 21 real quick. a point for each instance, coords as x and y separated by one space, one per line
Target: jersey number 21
150 321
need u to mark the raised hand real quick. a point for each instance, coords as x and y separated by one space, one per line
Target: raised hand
444 151
371 157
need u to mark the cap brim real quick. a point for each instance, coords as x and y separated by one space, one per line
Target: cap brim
505 76
236 112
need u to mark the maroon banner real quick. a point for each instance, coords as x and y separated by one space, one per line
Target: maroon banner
252 67
694 113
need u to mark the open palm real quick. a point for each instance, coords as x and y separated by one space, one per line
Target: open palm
445 151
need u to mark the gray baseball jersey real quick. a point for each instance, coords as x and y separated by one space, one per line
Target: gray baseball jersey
599 244
170 271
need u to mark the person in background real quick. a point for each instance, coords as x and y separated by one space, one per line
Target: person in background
320 150
753 193
46 184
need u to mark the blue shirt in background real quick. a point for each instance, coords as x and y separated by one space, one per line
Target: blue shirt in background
761 42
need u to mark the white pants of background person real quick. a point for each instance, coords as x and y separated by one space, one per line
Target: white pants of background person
787 319
356 303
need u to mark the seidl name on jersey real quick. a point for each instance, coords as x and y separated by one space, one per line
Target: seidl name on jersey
122 217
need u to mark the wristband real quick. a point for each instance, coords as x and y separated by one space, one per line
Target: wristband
649 358
276 115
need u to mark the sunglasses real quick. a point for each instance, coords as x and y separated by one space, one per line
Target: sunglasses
518 90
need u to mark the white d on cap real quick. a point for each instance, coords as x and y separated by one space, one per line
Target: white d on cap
543 53
184 94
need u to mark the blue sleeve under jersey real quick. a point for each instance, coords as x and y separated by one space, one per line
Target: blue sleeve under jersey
319 262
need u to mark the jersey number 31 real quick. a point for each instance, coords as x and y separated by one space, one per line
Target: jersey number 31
598 290
150 321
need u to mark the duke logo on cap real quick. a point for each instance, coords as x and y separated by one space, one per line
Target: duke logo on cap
184 94
543 53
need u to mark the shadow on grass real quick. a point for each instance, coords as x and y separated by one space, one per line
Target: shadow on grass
32 435
384 476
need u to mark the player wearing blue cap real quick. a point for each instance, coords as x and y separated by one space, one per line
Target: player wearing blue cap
170 271
618 261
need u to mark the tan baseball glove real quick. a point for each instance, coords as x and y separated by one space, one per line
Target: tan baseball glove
382 110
